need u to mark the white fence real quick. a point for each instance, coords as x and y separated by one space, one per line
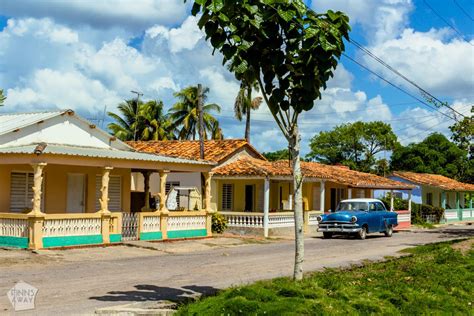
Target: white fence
275 220
14 227
185 221
151 224
81 226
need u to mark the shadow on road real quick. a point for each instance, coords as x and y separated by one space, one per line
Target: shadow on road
145 292
451 232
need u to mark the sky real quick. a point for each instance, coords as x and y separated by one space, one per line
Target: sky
87 55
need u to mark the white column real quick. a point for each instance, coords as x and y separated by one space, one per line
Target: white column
322 194
37 184
409 200
391 200
266 205
349 193
104 190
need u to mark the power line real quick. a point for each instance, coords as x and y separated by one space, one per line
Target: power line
446 21
397 87
383 63
462 9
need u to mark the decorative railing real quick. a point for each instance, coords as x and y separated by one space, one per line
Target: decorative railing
150 222
241 219
13 225
283 219
72 225
312 217
451 215
186 220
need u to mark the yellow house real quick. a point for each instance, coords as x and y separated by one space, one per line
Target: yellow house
65 182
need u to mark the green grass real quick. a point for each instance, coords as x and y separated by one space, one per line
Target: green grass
434 279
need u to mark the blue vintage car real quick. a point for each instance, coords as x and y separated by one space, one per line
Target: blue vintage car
358 217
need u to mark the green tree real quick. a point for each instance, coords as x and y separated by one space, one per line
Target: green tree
144 121
2 97
244 104
435 154
291 52
282 154
184 114
463 134
355 145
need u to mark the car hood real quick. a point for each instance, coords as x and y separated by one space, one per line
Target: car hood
342 216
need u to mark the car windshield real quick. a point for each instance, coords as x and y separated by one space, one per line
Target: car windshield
353 206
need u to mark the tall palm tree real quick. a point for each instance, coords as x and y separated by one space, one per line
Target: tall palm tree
184 115
156 125
244 104
124 126
2 97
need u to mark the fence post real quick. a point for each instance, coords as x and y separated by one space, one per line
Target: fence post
164 215
105 230
35 231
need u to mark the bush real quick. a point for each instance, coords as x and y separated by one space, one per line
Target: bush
418 211
219 223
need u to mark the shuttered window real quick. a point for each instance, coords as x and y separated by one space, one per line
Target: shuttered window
21 191
227 194
115 193
168 188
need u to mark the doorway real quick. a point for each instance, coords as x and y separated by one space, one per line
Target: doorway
249 198
76 183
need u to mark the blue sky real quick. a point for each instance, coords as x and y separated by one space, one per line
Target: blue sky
89 54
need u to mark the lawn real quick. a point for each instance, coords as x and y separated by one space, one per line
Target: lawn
432 279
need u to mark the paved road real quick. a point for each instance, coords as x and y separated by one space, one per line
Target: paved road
81 286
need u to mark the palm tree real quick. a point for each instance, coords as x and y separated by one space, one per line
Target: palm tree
156 125
184 115
124 126
244 104
2 97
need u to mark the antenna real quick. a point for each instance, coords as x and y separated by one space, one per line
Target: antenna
99 118
136 113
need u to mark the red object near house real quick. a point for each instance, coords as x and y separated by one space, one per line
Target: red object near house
404 220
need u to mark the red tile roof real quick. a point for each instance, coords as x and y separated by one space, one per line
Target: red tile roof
214 150
247 166
434 180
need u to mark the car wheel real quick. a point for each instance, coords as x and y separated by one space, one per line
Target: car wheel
362 233
388 231
327 235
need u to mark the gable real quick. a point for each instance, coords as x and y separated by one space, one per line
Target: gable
62 129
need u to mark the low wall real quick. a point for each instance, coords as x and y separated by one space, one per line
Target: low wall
404 219
458 215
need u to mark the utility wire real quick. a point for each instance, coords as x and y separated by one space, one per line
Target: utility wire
383 63
446 21
462 9
397 87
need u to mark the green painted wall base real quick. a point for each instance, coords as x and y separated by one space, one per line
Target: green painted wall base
115 237
14 242
65 241
151 236
187 233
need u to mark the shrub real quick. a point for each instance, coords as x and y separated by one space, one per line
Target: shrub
418 211
219 223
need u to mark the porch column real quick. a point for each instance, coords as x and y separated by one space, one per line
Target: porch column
349 193
409 201
443 199
36 217
391 201
458 206
104 205
163 176
266 205
146 180
207 202
322 195
470 200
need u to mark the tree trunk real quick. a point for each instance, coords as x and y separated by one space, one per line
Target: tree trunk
247 121
294 147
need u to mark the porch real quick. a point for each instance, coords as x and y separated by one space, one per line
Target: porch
463 203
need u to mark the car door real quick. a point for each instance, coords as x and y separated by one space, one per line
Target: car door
381 214
373 218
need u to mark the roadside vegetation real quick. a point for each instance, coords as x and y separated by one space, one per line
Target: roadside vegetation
431 279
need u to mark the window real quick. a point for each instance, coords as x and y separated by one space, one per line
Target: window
21 191
379 206
115 193
168 187
429 198
227 193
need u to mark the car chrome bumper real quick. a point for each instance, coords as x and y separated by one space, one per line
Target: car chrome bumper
339 228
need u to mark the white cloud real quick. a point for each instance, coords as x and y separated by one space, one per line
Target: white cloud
134 15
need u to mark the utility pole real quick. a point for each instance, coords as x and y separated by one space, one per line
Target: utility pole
136 114
201 121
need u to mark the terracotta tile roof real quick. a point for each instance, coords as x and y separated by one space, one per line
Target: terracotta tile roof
247 166
214 150
434 180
